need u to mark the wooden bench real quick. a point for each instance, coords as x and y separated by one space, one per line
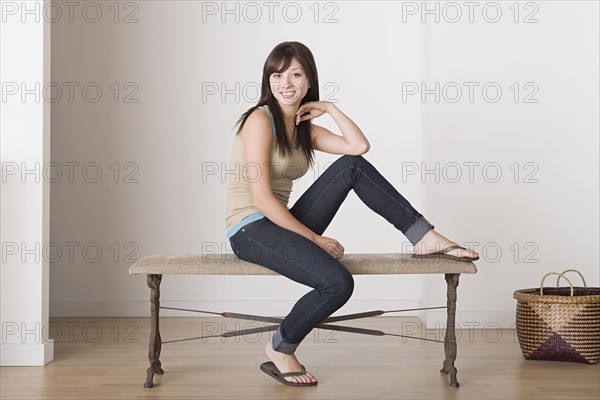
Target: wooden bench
157 265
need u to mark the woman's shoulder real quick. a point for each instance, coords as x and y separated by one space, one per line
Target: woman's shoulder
264 108
257 120
260 113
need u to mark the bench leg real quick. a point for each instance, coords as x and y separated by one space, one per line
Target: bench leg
450 339
153 281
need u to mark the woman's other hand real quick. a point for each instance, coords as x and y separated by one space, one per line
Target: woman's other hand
330 245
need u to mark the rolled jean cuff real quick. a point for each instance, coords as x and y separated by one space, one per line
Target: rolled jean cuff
418 229
280 345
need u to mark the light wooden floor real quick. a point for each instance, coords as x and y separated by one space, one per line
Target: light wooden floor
108 359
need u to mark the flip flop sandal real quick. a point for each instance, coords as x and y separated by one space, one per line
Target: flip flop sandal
441 254
270 369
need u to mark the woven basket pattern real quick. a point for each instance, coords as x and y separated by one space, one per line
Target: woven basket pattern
557 326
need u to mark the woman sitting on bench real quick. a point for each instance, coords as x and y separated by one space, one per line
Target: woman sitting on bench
274 146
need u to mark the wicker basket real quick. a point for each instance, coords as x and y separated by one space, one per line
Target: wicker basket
561 323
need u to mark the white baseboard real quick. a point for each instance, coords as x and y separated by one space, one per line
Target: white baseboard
486 320
26 354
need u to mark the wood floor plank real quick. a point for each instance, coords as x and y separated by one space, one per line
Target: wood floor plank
101 358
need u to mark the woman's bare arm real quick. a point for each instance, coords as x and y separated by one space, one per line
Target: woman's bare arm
352 141
351 132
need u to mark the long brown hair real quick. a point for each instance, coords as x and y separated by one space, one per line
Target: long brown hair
279 60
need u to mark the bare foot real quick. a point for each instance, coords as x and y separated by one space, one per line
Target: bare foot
432 241
287 363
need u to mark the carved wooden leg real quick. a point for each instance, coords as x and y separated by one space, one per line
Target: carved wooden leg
153 281
450 339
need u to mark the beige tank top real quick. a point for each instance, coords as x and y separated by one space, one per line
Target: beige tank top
282 172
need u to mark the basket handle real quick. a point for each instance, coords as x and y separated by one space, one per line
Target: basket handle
559 276
574 270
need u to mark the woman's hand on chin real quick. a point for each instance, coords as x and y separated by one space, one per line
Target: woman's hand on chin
313 108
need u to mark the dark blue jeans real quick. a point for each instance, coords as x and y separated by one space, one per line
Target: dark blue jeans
296 257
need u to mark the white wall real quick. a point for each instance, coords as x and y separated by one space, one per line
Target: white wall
172 133
524 228
24 194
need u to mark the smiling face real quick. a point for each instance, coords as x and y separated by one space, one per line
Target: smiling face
291 85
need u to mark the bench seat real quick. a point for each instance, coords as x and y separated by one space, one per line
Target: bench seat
356 263
156 265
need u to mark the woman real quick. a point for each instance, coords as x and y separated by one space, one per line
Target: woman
274 146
